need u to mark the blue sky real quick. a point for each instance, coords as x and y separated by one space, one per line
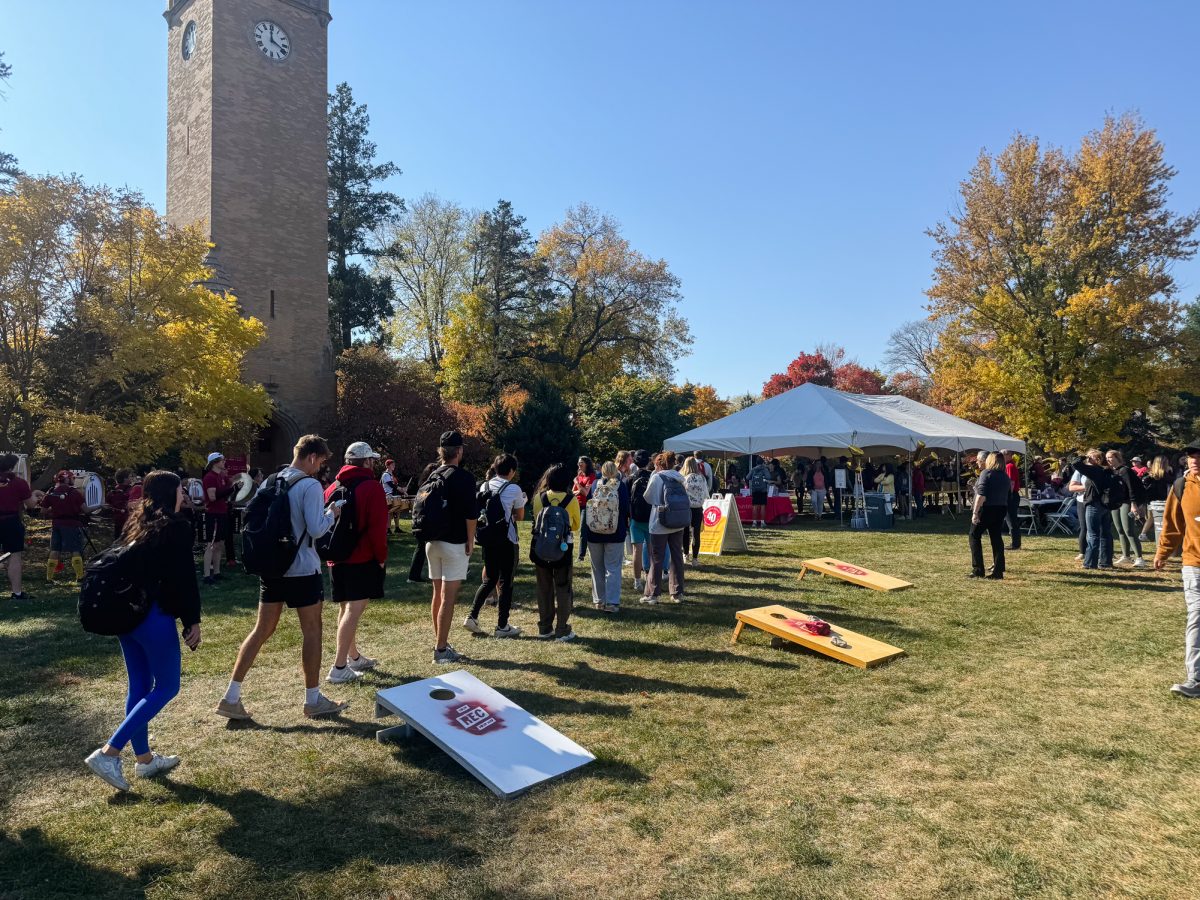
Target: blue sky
785 158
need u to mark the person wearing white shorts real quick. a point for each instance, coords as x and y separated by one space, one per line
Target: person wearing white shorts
447 562
450 554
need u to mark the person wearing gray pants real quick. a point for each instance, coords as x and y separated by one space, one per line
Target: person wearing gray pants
605 529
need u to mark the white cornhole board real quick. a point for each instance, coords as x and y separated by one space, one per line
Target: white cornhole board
491 737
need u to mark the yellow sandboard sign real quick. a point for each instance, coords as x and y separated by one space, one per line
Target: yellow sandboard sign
845 571
722 526
861 651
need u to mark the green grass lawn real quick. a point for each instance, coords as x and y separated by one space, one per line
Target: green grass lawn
1026 746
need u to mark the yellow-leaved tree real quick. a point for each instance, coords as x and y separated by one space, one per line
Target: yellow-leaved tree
706 405
1054 289
113 348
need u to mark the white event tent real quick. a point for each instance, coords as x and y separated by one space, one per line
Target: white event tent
812 420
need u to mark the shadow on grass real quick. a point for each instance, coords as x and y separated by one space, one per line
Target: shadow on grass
583 677
630 649
398 821
541 704
32 866
1136 584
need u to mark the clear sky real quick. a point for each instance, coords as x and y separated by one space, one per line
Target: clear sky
784 157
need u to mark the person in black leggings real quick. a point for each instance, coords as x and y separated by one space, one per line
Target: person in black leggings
991 506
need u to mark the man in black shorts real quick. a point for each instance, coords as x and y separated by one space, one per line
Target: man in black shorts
15 497
359 577
302 587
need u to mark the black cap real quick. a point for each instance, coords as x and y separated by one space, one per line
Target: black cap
641 458
1193 447
450 439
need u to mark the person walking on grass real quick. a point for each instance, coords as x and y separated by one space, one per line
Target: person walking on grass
1133 497
639 518
301 587
759 479
606 526
65 505
1181 530
502 505
992 488
162 540
445 516
556 520
1100 485
15 497
358 578
697 491
670 512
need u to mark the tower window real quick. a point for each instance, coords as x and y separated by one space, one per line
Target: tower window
272 304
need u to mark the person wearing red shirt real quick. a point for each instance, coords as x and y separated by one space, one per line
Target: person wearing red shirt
66 506
15 498
217 524
359 578
582 488
118 501
1014 499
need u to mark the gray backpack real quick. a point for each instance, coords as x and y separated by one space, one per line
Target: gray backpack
551 530
676 509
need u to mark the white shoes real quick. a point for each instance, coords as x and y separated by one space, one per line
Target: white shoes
1139 563
107 768
1120 560
639 584
363 663
1078 557
156 766
344 675
472 626
508 631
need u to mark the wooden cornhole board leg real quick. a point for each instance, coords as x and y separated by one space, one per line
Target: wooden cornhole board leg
852 574
781 622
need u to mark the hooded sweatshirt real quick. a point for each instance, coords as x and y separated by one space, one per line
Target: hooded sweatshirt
372 513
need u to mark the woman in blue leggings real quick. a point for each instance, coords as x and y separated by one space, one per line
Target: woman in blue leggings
152 655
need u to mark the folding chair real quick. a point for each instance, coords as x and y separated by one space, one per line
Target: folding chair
1026 518
1060 521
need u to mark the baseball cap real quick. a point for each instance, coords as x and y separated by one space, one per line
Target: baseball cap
1193 447
450 439
213 457
1137 459
389 462
361 450
641 458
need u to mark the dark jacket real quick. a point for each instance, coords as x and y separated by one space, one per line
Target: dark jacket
1134 492
170 572
1098 478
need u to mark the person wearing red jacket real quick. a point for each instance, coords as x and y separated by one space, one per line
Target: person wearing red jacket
1013 471
359 578
66 507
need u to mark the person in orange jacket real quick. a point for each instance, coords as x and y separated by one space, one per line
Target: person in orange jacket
1180 528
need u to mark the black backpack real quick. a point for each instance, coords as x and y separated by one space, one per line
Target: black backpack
429 518
112 597
268 546
551 530
338 542
1112 492
639 509
1178 486
492 528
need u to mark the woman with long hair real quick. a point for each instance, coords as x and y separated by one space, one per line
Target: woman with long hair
697 491
987 516
1156 482
163 541
582 489
1122 519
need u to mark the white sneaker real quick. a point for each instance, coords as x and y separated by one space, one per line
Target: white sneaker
566 638
1120 560
344 675
1139 563
472 626
507 631
155 766
107 768
1078 557
639 584
449 655
363 663
651 600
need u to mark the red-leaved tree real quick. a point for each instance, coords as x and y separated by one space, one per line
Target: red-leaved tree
825 366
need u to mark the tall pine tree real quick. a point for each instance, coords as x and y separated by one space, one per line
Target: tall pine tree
357 299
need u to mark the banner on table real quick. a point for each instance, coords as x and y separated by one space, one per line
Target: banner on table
722 526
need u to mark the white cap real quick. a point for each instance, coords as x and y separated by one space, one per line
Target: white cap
213 457
361 450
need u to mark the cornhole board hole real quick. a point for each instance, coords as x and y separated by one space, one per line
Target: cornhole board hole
498 742
784 623
845 571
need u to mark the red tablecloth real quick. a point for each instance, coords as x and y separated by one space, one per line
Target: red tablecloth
779 510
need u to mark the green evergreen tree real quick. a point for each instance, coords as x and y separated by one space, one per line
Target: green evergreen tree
543 432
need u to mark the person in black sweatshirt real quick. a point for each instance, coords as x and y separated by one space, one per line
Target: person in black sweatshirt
163 543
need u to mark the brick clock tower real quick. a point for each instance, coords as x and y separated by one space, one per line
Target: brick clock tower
246 156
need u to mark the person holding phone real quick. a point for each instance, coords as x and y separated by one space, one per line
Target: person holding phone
153 660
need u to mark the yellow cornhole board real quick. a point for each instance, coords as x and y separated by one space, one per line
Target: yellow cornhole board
785 623
835 568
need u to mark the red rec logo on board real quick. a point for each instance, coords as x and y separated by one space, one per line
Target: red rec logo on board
473 717
712 516
850 570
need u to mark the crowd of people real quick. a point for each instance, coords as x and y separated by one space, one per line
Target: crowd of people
635 509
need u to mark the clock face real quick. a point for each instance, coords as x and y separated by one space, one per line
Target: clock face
189 40
272 41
